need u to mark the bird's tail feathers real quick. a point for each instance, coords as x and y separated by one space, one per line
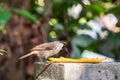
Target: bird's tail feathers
27 55
22 57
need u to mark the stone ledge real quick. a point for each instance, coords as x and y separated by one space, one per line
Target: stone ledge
77 71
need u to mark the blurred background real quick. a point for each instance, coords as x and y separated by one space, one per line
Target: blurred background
84 25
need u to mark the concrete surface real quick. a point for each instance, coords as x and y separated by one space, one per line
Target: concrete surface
77 71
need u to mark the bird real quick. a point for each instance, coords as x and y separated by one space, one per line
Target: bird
45 50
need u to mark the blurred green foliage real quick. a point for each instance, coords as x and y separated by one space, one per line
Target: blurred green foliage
26 14
90 11
5 15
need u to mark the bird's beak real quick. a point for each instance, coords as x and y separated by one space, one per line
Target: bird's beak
64 46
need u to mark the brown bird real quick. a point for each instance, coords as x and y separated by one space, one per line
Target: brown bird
45 50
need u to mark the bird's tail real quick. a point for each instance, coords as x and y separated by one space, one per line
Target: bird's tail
27 55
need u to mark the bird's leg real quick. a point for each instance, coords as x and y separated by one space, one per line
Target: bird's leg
38 56
44 59
40 59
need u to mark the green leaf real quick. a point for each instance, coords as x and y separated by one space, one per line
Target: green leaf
58 1
53 21
114 10
26 14
83 40
77 26
58 26
98 8
95 8
76 52
4 17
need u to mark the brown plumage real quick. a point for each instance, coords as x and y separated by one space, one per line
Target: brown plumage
45 50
